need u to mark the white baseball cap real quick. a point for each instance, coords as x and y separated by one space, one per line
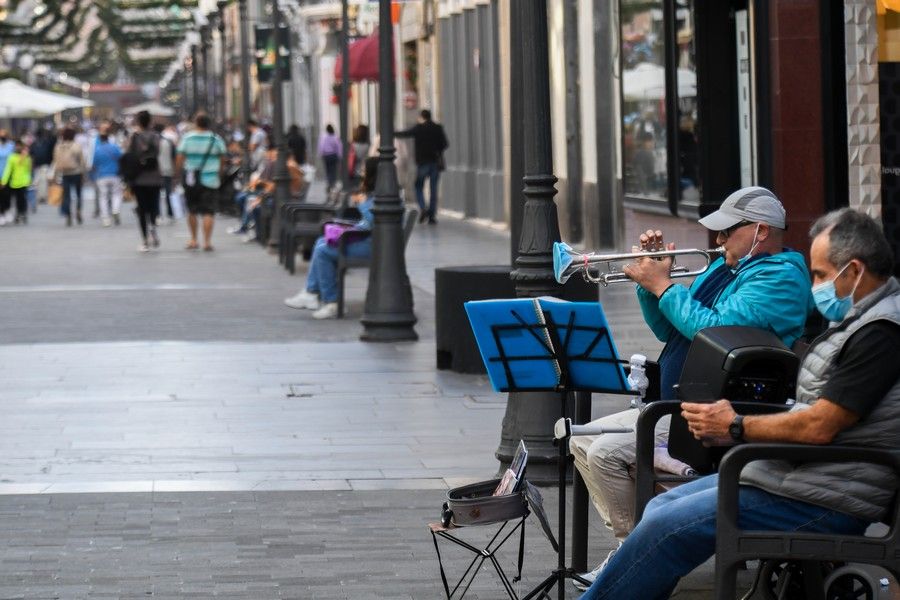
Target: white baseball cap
754 204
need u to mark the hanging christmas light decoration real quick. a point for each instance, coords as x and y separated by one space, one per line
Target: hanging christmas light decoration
101 39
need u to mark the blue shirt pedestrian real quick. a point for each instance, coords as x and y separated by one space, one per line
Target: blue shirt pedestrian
7 147
106 159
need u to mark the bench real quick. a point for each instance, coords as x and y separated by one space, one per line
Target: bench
345 262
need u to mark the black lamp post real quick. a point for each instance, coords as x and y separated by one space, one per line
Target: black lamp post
245 84
530 415
195 95
388 315
204 56
223 100
345 89
280 176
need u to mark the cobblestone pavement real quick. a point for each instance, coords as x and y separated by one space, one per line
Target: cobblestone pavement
169 429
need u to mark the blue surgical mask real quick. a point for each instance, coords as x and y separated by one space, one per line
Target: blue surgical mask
834 308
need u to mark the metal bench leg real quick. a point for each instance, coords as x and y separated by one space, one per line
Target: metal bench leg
340 291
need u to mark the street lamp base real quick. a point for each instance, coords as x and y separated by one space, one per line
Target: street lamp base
530 417
388 328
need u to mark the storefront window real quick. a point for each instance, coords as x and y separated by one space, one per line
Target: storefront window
643 98
646 102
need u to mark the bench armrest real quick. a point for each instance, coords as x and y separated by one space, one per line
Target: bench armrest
740 456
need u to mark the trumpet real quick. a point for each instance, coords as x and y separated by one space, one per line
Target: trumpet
567 262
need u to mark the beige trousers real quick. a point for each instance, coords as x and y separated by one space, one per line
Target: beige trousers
606 463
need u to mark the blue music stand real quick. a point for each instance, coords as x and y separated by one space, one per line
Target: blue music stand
547 344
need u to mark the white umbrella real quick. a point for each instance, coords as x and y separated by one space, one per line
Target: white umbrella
16 96
10 110
154 108
647 81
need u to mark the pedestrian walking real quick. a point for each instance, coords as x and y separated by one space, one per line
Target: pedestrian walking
105 173
144 148
330 151
431 141
167 145
256 144
41 158
7 148
17 177
69 164
296 143
359 151
87 140
200 161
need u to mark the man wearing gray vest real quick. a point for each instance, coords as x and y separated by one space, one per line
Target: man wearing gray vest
848 393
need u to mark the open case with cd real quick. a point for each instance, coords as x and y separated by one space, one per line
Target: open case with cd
505 503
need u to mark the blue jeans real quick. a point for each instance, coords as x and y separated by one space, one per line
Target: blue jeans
243 200
71 183
332 162
322 278
678 533
433 174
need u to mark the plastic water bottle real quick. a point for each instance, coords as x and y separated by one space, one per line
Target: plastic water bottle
637 378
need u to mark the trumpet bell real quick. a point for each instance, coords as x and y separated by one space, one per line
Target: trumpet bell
562 258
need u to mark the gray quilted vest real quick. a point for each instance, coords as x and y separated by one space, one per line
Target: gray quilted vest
858 489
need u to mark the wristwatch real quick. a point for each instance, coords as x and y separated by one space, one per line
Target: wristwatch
736 429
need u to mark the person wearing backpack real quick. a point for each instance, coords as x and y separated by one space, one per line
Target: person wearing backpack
68 163
200 161
147 181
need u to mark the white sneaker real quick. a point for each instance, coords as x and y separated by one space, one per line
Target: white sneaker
302 300
328 311
593 574
107 221
236 231
250 237
143 248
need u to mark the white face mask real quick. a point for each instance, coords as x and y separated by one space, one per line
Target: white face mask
753 246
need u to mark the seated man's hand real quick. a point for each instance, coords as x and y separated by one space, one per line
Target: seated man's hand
709 422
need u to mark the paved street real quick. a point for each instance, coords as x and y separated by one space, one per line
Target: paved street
170 429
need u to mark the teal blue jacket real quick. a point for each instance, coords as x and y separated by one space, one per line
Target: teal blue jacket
771 293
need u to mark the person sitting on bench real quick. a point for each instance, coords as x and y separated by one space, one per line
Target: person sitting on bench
261 188
848 393
758 283
321 291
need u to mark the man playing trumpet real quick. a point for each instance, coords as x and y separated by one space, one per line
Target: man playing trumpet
757 283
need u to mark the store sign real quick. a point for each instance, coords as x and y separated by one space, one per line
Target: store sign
266 51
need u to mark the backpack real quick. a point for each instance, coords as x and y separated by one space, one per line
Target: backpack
142 156
147 151
67 159
129 166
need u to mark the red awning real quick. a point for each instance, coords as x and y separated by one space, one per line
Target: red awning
363 60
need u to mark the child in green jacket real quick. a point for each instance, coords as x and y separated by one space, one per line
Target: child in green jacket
17 176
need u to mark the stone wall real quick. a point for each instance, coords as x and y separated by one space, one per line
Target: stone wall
863 135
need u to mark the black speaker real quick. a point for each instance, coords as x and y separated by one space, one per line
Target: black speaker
741 364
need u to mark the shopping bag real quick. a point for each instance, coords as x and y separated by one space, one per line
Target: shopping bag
54 194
